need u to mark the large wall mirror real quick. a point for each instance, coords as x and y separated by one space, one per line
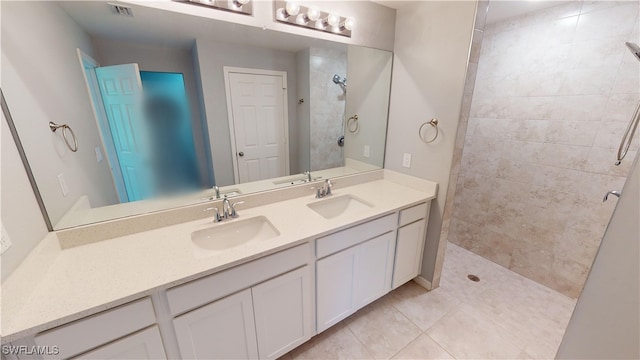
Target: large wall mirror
167 107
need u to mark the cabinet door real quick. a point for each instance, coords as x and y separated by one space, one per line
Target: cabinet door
221 330
283 312
334 288
373 270
145 344
409 249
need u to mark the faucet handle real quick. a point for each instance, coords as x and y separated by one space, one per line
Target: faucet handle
216 217
329 185
234 213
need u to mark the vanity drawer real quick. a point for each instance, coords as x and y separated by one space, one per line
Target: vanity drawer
346 238
413 213
88 333
202 291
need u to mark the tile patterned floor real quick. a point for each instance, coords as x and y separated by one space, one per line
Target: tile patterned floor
504 316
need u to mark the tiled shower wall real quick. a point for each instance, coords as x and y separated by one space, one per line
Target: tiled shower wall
327 107
553 94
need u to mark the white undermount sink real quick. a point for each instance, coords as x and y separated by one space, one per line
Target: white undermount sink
223 236
332 207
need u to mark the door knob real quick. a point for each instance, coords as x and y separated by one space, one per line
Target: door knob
241 154
612 192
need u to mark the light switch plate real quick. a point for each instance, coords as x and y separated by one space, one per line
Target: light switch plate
406 160
63 185
5 242
367 151
99 156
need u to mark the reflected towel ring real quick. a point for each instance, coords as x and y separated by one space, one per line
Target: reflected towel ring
351 121
65 128
433 122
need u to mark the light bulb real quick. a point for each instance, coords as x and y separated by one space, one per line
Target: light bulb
333 20
281 14
242 2
301 19
313 13
348 23
292 8
335 29
320 24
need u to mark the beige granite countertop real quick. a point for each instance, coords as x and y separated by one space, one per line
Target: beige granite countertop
84 280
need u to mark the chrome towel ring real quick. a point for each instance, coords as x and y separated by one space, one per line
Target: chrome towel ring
65 129
433 122
351 122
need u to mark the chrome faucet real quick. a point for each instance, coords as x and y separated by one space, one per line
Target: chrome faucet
228 210
325 190
217 189
226 207
308 173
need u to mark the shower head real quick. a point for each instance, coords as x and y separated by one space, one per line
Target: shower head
634 48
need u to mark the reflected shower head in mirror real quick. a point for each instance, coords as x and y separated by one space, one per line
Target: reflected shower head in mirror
634 48
342 81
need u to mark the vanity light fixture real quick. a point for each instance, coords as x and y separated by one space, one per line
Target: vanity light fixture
237 6
290 12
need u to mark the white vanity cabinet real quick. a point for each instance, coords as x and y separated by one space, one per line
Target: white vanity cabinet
355 268
283 312
221 330
111 333
261 309
410 243
145 344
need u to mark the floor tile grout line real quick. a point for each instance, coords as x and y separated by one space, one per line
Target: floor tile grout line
360 341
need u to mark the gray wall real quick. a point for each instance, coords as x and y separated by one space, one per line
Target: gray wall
606 321
304 109
43 81
213 57
164 59
430 62
369 74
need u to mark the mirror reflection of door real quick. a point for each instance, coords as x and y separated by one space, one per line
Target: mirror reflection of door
145 127
121 92
258 123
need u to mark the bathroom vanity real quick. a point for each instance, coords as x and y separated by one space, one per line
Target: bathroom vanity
252 287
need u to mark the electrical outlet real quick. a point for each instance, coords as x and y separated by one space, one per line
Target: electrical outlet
63 185
99 156
406 160
367 151
5 242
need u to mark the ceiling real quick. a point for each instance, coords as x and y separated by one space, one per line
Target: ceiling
159 27
498 9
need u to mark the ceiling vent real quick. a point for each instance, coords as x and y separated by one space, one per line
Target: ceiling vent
121 10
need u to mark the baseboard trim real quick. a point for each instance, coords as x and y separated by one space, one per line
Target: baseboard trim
423 282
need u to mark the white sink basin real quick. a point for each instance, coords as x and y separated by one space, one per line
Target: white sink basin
227 235
340 205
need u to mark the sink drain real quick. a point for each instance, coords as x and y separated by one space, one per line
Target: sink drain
473 278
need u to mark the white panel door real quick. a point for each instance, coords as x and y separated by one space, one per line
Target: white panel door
409 247
373 270
283 313
145 344
121 90
335 288
258 112
221 330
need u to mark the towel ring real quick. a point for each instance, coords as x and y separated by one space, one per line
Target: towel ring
65 129
433 122
353 120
